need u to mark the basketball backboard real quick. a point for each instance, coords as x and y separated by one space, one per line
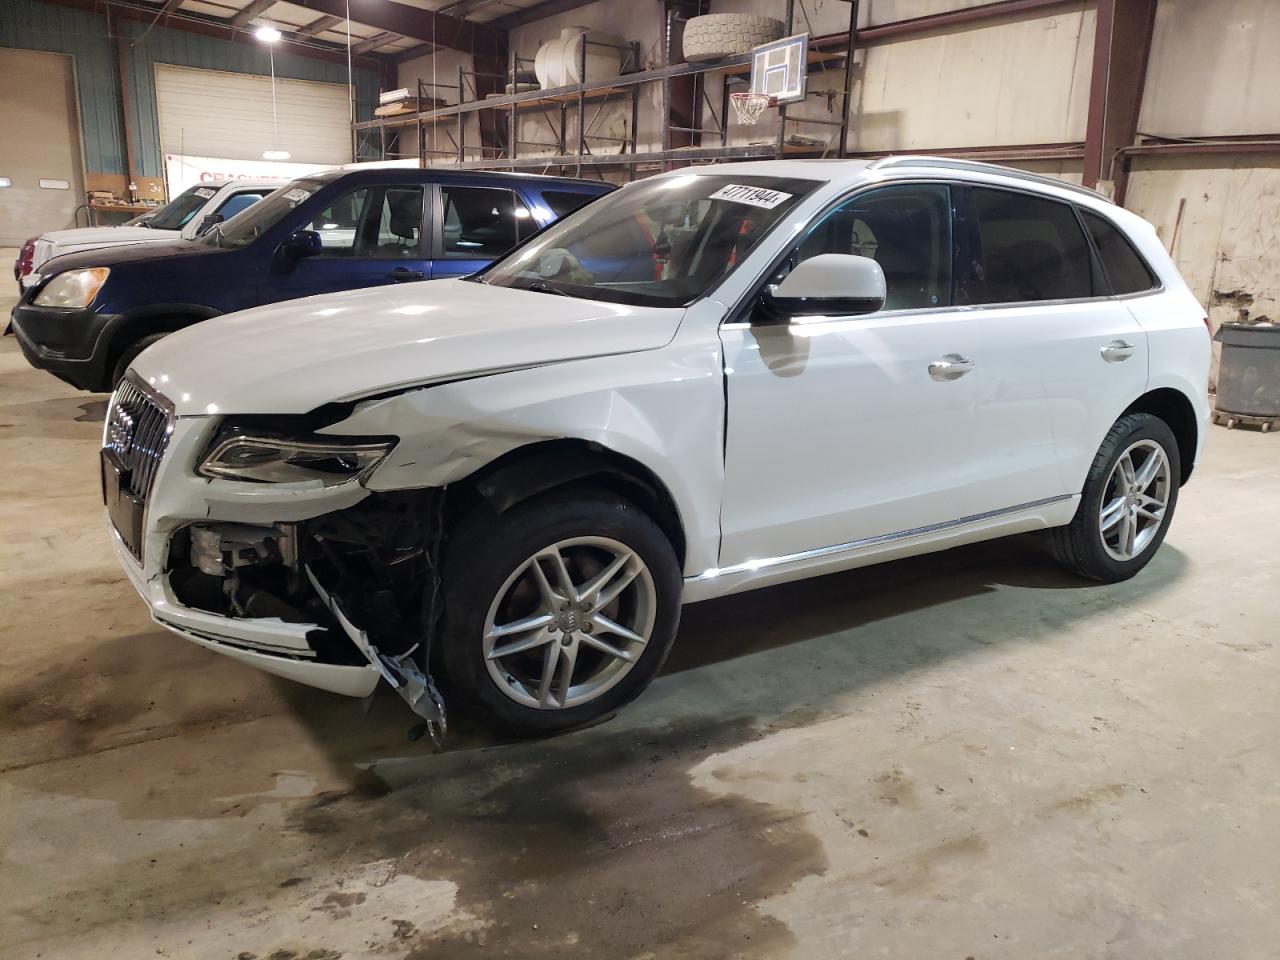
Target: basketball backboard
778 69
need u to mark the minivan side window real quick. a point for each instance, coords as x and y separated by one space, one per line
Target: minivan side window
1031 248
1126 270
906 229
482 222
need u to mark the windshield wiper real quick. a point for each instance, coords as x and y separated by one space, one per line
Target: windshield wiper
541 286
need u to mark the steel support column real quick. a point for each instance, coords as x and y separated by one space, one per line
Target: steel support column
1121 48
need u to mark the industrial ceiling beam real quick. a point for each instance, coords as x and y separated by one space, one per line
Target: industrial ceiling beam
209 27
1121 48
518 18
252 12
319 25
416 24
978 16
413 53
373 43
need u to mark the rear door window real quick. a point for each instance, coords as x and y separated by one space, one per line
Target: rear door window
240 201
1030 249
1126 270
482 223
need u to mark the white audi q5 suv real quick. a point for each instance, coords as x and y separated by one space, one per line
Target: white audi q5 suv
709 381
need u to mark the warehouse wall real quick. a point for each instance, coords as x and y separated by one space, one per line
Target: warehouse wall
1214 72
1019 81
90 38
639 21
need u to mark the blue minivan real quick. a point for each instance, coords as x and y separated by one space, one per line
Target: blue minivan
93 312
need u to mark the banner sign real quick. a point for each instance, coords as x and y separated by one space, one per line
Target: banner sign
182 172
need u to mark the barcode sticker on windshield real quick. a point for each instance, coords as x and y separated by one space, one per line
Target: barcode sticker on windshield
205 192
755 196
296 195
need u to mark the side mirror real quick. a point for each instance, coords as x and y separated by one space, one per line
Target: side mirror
303 243
828 285
208 223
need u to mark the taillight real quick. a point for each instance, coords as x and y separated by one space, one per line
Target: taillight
25 256
1208 325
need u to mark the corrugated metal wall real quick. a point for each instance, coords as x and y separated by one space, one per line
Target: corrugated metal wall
91 39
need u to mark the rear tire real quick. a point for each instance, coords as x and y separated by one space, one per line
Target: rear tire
1127 504
501 575
131 354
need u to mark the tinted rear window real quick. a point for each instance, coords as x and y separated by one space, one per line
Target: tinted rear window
563 202
1031 249
1127 271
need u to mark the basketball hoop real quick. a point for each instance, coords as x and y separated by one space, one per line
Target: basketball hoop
750 107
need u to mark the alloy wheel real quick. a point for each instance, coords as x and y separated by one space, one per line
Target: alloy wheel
1136 500
569 623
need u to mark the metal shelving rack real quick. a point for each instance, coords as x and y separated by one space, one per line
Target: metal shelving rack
573 155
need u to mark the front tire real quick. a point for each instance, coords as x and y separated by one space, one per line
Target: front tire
558 611
130 354
1127 503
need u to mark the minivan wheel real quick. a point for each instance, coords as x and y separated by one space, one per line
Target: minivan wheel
131 354
558 611
1127 503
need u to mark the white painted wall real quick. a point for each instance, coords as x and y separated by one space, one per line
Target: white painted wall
1214 70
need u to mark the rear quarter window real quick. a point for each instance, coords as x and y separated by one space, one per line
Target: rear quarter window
1123 265
564 202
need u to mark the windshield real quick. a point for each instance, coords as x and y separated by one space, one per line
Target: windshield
660 242
175 214
248 225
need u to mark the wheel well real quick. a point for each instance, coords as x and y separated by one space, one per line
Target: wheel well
139 327
540 468
1173 407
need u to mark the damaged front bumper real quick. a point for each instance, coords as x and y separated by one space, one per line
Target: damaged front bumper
321 585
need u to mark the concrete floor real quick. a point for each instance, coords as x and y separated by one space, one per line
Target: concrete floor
969 755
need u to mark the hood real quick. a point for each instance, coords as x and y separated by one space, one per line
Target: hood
90 237
113 255
295 356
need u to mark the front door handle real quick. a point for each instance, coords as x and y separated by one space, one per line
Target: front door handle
1117 350
402 274
952 366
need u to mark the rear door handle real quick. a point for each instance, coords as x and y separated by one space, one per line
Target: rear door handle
401 274
952 366
1117 350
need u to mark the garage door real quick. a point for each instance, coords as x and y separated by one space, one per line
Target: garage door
40 145
207 113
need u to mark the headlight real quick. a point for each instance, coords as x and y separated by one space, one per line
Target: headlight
75 288
271 460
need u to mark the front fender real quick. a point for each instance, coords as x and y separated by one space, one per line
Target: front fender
662 408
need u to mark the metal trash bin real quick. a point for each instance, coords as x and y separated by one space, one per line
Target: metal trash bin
1248 375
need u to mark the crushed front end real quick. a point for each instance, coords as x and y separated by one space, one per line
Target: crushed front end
318 580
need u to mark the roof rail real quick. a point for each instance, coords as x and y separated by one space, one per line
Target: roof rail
974 166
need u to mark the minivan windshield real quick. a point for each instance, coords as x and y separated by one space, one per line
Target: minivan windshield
251 223
175 214
659 242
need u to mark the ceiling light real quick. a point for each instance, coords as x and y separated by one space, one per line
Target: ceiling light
276 154
268 34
